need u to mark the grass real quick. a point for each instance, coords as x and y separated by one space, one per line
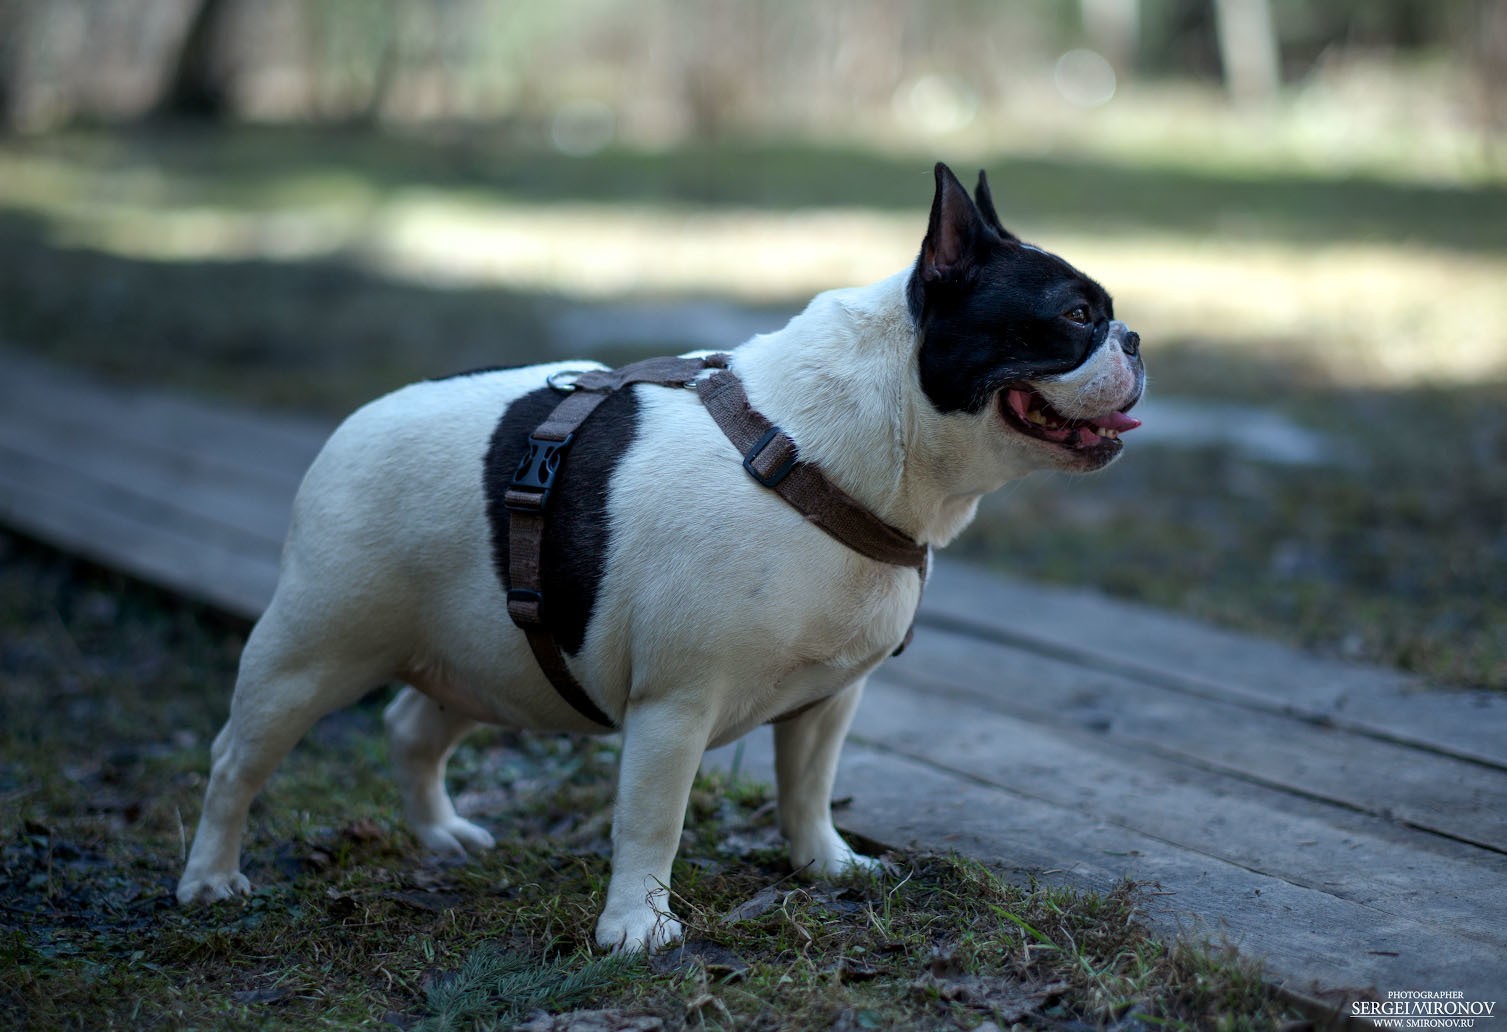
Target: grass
113 691
341 172
353 927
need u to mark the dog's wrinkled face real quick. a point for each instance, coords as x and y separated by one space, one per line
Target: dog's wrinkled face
1017 335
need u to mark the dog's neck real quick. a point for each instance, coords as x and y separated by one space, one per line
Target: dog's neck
841 379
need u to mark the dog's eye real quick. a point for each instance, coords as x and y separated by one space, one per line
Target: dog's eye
1077 315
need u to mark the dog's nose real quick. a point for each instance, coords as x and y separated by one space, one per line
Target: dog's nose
1131 345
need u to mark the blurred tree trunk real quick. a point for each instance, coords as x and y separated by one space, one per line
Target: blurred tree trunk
1491 74
12 30
383 76
1248 49
1114 28
200 82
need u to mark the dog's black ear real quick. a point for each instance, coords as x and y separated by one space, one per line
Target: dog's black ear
951 248
985 201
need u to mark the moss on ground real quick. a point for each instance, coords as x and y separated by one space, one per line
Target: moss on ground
112 692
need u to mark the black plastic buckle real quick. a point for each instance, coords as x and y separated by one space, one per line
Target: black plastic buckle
525 606
776 475
536 472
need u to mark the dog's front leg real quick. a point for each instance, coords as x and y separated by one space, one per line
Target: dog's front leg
806 748
663 743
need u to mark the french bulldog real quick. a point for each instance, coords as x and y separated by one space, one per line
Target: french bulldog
693 604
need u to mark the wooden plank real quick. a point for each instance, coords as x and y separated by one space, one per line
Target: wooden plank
197 484
1451 887
1308 940
1449 796
191 496
1096 632
141 536
279 446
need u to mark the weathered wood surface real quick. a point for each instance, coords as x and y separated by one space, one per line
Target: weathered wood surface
191 496
1345 823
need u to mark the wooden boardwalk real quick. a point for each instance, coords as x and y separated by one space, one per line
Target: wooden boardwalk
1344 823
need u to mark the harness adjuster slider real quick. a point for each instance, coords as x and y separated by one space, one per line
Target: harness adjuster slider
525 606
532 482
771 436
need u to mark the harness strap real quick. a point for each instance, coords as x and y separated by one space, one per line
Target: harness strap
527 502
769 456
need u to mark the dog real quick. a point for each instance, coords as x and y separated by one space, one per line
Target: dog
692 603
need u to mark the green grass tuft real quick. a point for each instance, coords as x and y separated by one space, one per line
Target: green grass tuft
494 987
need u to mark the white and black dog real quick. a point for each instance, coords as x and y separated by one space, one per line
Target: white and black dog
693 604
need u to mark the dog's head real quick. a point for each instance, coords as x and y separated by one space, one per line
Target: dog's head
1015 336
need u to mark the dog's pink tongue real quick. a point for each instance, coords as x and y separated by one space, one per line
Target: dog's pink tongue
1019 401
1117 421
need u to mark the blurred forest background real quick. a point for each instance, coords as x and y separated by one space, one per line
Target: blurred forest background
655 71
1301 204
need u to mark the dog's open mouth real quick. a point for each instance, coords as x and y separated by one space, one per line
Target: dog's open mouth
1025 410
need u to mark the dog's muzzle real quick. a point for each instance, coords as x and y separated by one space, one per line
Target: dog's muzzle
1127 339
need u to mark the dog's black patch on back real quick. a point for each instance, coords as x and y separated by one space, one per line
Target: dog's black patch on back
574 553
990 310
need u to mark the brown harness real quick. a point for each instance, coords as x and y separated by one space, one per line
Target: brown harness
769 456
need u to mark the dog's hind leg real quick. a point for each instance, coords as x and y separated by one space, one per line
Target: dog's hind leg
287 681
806 749
421 735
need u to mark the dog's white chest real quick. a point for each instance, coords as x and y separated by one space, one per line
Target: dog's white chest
715 580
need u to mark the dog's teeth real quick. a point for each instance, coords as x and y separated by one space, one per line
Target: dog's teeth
1104 431
1037 416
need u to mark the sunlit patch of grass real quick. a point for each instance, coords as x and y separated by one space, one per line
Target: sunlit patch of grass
1368 281
350 925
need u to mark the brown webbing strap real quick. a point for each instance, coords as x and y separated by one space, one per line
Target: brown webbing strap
770 457
527 502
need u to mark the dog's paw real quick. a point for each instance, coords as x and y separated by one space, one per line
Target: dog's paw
644 930
211 887
455 835
832 859
854 865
